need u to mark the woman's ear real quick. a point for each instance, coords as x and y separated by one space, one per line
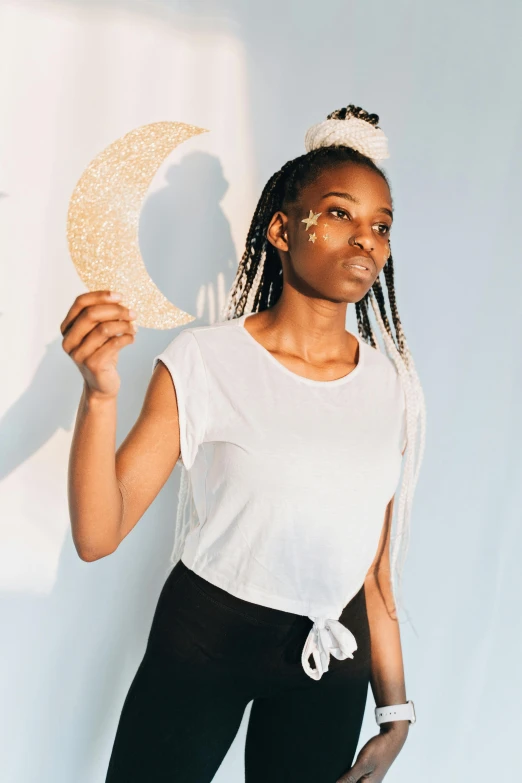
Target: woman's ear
277 231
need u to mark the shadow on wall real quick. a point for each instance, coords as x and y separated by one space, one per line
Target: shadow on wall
185 237
188 250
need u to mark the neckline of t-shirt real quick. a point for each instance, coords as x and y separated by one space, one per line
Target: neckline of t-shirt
240 321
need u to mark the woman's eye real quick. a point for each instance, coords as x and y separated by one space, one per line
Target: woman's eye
382 228
341 211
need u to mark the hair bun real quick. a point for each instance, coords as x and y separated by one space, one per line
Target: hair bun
350 127
354 111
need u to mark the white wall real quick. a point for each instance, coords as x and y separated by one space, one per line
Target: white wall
75 76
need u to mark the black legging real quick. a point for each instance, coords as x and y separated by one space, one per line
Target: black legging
208 655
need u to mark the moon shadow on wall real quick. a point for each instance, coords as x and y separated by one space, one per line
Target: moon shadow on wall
185 238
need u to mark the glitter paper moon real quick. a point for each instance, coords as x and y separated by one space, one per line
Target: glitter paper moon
103 220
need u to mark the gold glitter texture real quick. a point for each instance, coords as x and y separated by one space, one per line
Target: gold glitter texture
311 220
103 220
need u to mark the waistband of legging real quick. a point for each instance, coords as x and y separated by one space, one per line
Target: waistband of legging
265 614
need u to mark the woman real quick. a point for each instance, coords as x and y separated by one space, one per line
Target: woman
291 433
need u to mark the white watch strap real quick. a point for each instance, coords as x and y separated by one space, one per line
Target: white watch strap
395 712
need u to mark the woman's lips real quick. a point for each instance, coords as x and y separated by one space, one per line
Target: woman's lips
357 269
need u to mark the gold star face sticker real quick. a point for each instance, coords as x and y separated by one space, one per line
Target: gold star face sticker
311 237
326 236
311 220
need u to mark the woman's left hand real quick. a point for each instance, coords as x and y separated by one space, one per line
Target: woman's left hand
376 757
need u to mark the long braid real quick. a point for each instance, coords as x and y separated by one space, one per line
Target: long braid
259 273
258 285
398 351
390 284
415 422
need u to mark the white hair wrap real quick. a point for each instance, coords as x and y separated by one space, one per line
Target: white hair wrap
353 132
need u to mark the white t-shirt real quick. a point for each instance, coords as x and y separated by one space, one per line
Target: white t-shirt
290 476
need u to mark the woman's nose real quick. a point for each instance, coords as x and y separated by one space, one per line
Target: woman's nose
363 240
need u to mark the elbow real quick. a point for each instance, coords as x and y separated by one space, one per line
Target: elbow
89 546
88 557
89 554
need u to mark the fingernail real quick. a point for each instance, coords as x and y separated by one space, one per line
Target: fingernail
114 296
132 314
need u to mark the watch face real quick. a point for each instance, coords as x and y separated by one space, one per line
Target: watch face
414 717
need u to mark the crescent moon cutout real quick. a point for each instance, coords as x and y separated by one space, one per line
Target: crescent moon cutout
103 220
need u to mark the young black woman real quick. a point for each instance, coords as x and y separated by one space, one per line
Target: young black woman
291 433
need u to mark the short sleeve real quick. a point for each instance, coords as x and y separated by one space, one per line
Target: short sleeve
184 361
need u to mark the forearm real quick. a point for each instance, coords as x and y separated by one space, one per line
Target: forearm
387 669
95 501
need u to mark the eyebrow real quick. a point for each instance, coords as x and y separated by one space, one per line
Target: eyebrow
349 197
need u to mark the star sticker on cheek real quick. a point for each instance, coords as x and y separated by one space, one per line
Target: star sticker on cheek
311 220
326 236
311 237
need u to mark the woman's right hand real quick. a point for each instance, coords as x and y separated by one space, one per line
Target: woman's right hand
94 330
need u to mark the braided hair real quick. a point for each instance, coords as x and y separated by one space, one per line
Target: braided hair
258 284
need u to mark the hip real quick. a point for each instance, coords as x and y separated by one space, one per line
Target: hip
207 629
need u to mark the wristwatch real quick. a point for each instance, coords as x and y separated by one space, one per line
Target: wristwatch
396 712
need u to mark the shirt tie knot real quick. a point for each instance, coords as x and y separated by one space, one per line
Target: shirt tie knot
327 637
